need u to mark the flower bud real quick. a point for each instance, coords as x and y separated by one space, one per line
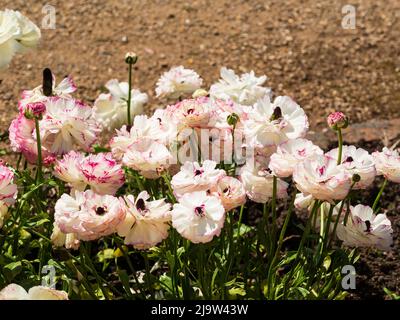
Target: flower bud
34 110
232 119
131 58
356 177
337 120
200 93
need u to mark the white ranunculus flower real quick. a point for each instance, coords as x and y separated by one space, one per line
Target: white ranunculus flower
230 191
111 109
387 163
245 90
271 123
289 153
322 178
258 183
198 216
177 82
365 229
146 223
357 161
67 240
16 292
17 34
195 177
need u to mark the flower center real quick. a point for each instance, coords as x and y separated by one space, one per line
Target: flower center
349 159
368 224
200 211
277 114
198 172
140 205
100 211
321 170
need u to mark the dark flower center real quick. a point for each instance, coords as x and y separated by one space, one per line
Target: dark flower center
349 159
100 211
200 211
368 224
198 172
277 114
140 205
190 111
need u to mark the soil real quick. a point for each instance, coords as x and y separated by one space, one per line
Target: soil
299 45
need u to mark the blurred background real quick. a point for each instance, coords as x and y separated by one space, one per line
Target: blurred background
300 45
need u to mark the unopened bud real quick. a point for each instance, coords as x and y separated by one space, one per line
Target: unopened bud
200 93
47 86
337 120
131 58
232 119
356 177
34 110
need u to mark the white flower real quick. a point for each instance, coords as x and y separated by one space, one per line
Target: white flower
246 89
357 161
387 163
67 122
16 292
273 123
289 153
146 155
3 213
60 239
146 222
177 82
194 177
258 183
198 217
88 215
230 191
321 177
8 189
17 34
365 229
67 169
111 109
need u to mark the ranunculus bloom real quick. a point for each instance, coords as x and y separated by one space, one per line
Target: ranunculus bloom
387 163
198 216
4 214
289 153
258 183
17 34
273 123
194 177
146 222
246 89
67 122
8 190
99 171
321 177
357 161
177 82
88 215
337 120
16 292
365 229
111 109
60 239
230 191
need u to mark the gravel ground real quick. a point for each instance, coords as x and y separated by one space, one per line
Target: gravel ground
299 45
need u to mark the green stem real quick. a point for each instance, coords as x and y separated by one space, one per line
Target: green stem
379 195
129 95
340 139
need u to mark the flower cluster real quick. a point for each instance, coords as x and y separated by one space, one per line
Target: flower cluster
8 192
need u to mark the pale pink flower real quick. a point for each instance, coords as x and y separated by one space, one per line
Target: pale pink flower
230 191
178 81
4 214
198 216
16 292
88 215
365 229
321 177
68 170
357 161
387 163
273 123
66 123
146 223
337 120
195 177
258 180
8 189
60 239
289 153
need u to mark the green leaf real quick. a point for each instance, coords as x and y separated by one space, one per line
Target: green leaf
12 269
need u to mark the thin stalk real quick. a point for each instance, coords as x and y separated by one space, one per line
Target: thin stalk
340 139
378 197
129 95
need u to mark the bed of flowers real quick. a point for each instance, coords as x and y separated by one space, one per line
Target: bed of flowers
196 200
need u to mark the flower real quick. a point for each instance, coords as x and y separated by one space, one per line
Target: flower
146 222
99 171
194 177
357 161
67 122
230 191
387 163
321 177
60 239
257 181
289 153
88 215
3 213
8 190
198 216
16 292
365 229
274 123
23 139
246 89
337 120
110 109
177 82
147 156
34 110
17 34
